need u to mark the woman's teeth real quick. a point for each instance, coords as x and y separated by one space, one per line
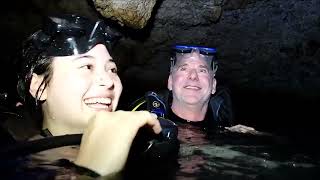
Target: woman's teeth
105 101
98 103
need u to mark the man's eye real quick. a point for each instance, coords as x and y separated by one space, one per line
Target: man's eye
203 70
183 69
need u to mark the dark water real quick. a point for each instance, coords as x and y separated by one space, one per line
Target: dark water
289 151
223 155
241 156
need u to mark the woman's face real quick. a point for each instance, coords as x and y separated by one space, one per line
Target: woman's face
81 85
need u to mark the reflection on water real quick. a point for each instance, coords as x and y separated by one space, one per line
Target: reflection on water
225 155
235 156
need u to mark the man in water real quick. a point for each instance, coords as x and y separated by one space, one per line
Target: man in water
193 96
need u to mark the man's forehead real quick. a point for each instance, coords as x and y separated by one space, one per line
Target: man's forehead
192 60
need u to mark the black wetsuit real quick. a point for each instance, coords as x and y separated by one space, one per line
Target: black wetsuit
218 116
204 124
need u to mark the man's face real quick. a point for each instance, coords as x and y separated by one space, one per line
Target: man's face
82 85
191 80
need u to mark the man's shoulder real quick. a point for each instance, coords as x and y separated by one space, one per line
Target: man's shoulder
221 106
150 99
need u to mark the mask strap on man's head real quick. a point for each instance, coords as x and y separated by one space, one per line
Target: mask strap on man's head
207 53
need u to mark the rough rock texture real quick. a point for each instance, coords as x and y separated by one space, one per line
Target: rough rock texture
268 54
270 45
262 45
132 13
81 7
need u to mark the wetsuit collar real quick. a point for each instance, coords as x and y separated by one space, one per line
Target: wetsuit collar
177 119
45 133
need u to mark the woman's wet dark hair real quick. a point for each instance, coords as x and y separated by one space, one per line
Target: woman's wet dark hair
59 35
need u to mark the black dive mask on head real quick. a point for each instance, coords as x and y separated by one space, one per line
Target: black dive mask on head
62 35
70 35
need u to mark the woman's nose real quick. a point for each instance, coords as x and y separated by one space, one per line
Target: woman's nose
104 79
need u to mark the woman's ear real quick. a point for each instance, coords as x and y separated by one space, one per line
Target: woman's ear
37 87
214 85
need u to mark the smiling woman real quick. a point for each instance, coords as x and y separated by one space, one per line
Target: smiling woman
90 84
68 82
68 61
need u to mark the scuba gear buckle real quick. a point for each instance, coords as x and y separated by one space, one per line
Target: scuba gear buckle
155 105
165 143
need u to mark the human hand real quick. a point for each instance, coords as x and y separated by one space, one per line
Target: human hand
242 129
107 140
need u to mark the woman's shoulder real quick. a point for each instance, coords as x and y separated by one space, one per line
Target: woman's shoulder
15 125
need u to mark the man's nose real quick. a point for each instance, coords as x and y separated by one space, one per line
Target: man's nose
193 74
195 50
104 79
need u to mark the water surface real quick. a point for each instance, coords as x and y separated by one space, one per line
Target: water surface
229 155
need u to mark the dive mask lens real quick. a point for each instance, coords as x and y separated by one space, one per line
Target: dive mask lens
71 35
188 49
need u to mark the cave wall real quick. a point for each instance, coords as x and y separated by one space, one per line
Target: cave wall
268 53
263 45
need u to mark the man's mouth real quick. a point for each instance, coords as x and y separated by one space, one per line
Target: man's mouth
192 87
99 103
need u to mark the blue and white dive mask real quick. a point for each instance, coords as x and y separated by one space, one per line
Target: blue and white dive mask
182 52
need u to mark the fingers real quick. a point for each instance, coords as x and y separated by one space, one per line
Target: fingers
145 118
106 142
127 119
154 123
240 128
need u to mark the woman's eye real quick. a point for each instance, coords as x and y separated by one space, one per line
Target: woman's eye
183 69
88 66
114 70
